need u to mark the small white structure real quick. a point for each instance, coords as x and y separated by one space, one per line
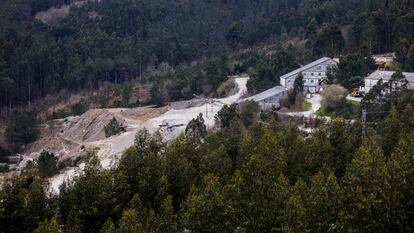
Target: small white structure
373 79
313 75
269 98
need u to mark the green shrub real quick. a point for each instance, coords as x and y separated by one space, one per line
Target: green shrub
47 164
113 128
307 106
79 108
349 110
60 114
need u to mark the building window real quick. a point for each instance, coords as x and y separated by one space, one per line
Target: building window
312 81
320 74
312 74
288 81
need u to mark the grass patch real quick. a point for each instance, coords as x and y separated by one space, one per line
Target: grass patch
323 113
353 103
350 110
306 106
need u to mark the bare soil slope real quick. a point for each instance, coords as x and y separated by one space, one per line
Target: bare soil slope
73 135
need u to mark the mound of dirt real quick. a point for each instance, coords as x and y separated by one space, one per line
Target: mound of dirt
69 137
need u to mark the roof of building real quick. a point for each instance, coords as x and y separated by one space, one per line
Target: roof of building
266 94
386 75
308 66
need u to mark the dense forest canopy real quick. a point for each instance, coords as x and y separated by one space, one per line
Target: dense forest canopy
114 41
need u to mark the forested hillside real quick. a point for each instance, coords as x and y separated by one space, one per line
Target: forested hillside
114 41
254 171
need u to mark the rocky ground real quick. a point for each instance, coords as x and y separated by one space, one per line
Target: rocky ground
70 138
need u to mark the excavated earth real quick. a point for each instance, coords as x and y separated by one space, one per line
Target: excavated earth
72 137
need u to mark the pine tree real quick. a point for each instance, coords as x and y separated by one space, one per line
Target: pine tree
323 202
183 162
329 41
397 83
217 162
340 141
407 117
400 206
47 226
136 203
410 59
205 209
260 187
108 227
294 212
144 168
166 220
365 188
196 127
390 131
36 206
298 84
225 116
129 222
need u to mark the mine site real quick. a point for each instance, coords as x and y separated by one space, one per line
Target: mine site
72 138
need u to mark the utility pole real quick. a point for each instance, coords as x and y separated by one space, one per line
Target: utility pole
207 101
212 108
364 123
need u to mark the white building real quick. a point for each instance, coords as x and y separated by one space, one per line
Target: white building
313 75
269 98
373 79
